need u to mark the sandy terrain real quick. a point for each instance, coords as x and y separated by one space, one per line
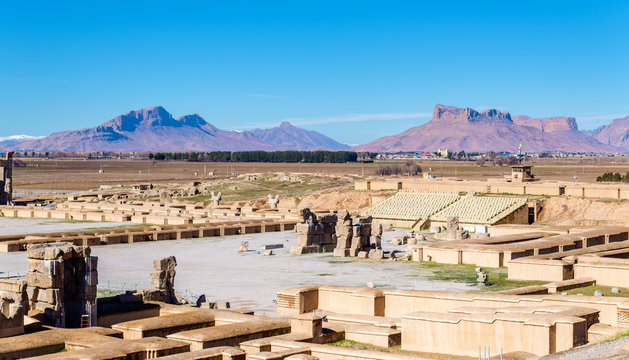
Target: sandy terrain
584 211
83 175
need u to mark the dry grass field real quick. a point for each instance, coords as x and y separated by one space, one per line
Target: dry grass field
84 174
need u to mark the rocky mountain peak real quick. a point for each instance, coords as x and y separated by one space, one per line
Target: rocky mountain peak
549 124
444 113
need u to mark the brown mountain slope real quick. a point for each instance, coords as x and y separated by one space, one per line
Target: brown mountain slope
559 123
614 134
489 130
154 129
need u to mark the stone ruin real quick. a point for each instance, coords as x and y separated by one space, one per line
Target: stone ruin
6 178
314 234
163 279
339 233
216 198
61 283
13 306
364 242
273 201
453 231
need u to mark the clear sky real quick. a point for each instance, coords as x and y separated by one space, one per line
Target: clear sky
353 70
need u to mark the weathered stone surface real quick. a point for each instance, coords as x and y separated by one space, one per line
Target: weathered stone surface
59 251
167 263
42 280
376 254
47 267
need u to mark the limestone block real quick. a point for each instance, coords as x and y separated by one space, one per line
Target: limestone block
153 295
328 219
375 242
42 280
356 231
50 296
376 254
61 251
341 252
81 251
298 250
167 263
12 285
364 220
362 254
305 228
47 267
161 284
43 306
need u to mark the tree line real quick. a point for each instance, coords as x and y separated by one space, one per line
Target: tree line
613 177
319 156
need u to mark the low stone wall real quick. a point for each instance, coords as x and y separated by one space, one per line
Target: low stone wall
606 271
13 307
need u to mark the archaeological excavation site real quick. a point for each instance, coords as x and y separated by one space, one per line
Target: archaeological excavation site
314 265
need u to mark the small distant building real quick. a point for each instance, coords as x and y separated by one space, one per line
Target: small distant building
444 152
522 173
146 186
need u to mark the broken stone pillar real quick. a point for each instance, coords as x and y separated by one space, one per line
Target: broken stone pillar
13 307
310 233
164 197
361 235
344 233
273 201
452 227
6 179
62 280
375 240
163 279
216 199
328 232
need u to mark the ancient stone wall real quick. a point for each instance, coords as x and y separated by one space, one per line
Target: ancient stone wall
62 281
13 307
315 234
6 179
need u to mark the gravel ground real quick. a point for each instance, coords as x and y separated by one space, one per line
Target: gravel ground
596 351
13 226
213 266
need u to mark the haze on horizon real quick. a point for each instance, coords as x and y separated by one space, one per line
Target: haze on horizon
352 70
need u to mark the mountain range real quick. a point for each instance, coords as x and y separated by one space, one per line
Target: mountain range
492 130
155 129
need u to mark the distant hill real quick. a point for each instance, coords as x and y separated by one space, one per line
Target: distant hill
490 130
614 134
154 129
16 138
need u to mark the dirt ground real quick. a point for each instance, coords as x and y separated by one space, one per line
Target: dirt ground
84 174
584 212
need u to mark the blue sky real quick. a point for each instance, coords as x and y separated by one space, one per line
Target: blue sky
354 70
